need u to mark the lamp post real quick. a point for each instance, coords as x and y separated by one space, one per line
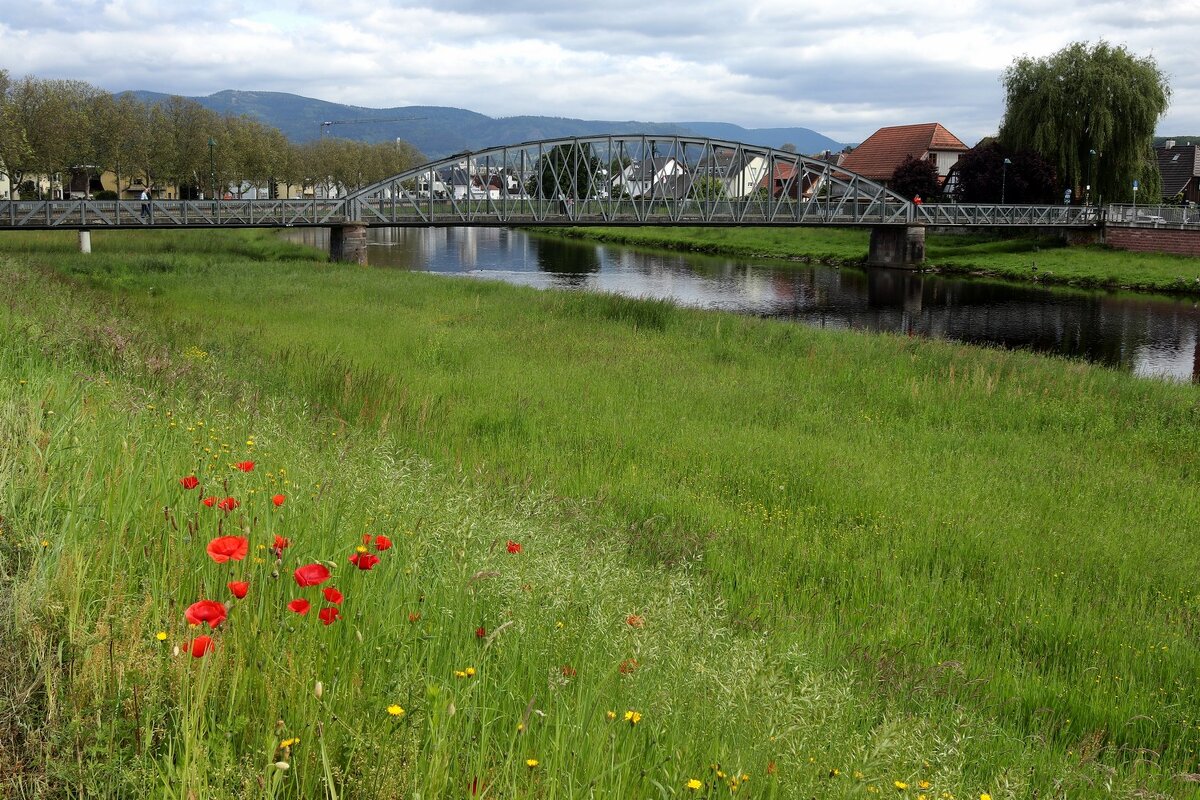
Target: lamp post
1004 178
212 168
1087 196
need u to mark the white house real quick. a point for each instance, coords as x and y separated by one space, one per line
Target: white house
640 178
739 172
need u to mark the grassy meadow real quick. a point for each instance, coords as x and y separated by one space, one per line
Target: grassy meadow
630 550
1042 259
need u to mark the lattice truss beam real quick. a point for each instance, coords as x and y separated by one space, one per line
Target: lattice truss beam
632 179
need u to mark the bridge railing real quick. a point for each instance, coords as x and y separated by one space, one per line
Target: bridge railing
1156 216
169 213
522 209
995 215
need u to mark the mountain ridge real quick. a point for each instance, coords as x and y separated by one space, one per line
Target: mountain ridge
439 131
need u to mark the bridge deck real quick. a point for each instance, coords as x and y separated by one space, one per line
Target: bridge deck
410 211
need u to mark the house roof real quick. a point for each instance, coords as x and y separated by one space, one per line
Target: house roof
646 169
1178 165
885 149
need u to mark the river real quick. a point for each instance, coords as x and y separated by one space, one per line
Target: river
1149 335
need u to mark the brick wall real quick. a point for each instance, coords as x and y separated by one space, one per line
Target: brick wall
1154 240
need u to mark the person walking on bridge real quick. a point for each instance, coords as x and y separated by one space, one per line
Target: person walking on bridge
145 198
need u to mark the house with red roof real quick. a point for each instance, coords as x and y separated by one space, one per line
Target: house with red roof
885 149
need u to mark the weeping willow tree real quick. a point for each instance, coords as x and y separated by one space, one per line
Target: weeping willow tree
1081 100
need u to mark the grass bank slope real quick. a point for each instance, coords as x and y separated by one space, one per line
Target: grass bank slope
812 555
1045 260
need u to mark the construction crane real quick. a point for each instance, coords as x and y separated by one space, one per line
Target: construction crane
364 121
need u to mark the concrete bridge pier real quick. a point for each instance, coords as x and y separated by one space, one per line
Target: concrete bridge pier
348 243
897 246
85 241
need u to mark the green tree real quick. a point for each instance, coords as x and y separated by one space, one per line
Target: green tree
1089 98
916 176
567 170
709 188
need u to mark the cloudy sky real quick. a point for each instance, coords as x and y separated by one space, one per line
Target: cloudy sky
843 69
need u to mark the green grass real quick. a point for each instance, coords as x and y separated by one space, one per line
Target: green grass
1043 259
909 559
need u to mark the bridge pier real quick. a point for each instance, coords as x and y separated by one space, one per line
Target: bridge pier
348 243
85 241
897 246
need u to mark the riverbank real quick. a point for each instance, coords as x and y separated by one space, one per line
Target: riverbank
1042 260
833 562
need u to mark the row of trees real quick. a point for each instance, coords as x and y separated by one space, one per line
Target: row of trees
52 127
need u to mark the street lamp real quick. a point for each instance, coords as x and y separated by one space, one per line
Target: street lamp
1087 196
1004 178
212 168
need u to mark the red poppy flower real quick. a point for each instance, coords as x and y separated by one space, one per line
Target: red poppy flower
480 632
228 504
209 501
190 482
333 595
239 588
278 499
280 545
568 671
414 616
329 614
245 466
300 605
311 574
200 646
209 611
228 548
627 666
364 560
382 543
513 547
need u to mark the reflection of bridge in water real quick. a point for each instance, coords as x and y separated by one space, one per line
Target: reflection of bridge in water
596 180
1147 335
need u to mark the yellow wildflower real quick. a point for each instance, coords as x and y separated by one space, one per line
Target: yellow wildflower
395 710
633 717
45 542
900 785
161 636
458 673
470 672
923 784
985 796
531 762
611 715
694 785
289 742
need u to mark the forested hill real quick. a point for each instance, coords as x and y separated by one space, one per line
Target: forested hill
441 130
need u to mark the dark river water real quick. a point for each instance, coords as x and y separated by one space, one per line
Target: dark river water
1147 335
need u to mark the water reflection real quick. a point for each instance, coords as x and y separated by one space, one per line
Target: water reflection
1147 335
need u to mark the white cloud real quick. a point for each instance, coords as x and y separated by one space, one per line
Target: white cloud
842 69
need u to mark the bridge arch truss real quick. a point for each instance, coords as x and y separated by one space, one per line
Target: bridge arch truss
628 180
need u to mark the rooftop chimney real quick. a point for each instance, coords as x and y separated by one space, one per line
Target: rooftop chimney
1169 143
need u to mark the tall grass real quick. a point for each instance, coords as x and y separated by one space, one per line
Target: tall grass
911 560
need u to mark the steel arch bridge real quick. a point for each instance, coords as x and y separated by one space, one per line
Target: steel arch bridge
630 179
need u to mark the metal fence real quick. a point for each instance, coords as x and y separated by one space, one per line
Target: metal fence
79 214
1154 216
